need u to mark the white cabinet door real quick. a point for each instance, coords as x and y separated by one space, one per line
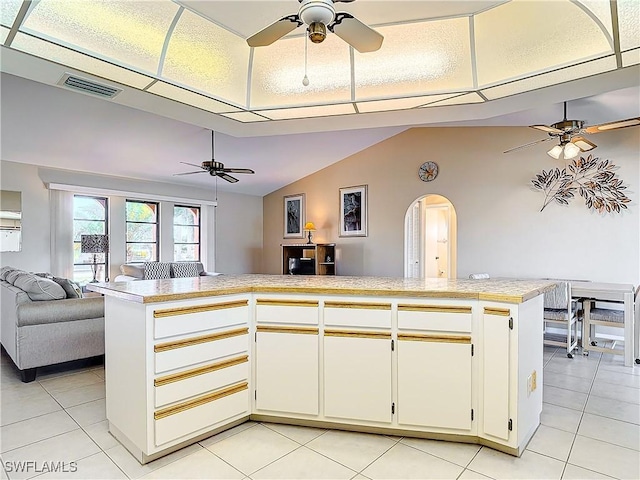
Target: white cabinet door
496 336
287 370
434 383
357 377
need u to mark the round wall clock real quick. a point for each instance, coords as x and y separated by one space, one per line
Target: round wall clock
428 171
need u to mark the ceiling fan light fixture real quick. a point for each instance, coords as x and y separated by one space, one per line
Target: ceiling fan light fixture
555 152
317 32
320 11
583 144
571 150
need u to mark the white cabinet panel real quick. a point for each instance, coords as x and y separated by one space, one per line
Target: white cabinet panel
434 384
357 378
495 385
287 371
303 312
357 314
198 318
443 318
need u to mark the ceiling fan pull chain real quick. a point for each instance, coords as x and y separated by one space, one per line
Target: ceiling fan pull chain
305 80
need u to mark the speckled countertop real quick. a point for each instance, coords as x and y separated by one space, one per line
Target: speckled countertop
152 291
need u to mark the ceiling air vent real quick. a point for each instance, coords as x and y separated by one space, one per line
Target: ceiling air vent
88 86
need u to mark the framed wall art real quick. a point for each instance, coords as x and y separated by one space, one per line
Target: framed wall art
353 211
294 216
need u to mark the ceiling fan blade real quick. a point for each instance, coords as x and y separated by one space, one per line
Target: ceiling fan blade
527 145
192 165
546 128
360 36
237 170
603 127
275 31
190 173
228 178
583 144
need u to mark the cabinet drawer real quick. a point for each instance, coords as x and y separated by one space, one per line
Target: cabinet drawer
201 413
179 321
444 318
204 348
357 314
287 311
196 381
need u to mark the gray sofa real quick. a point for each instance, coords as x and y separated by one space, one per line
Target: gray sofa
140 271
42 326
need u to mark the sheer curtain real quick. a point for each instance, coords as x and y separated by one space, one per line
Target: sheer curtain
61 203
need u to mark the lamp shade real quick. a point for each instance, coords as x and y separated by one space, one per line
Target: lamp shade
571 150
555 152
94 243
310 226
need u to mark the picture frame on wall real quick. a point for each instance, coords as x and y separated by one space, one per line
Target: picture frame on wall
294 216
353 211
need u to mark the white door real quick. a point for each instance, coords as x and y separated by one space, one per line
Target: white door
287 372
436 227
434 384
357 378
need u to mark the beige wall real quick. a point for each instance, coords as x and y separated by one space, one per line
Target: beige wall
500 228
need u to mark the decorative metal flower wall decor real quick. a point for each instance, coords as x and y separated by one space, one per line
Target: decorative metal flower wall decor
592 178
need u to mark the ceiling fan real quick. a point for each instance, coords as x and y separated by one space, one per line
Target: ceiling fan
570 135
216 169
320 15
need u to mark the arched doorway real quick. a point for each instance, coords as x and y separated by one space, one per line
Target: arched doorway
430 232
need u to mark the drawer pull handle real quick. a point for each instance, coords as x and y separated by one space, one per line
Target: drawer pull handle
170 312
287 303
296 330
196 402
176 377
434 308
356 334
365 306
502 312
188 342
416 337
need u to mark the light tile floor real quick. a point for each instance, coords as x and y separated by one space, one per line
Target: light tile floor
590 428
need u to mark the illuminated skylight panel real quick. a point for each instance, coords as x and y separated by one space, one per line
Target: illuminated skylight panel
64 56
208 58
552 78
190 98
398 103
629 23
4 32
600 9
563 35
308 112
631 57
127 33
8 12
417 58
278 70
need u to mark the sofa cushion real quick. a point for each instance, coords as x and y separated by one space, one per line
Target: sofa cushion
67 310
39 288
71 289
133 270
184 269
157 270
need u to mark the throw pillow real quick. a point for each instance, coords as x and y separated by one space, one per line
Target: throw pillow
4 271
38 288
132 270
184 269
157 270
71 289
12 275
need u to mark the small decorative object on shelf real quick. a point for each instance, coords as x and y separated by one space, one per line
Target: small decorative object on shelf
593 179
309 227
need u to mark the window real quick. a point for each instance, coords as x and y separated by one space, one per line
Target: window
89 218
186 233
143 228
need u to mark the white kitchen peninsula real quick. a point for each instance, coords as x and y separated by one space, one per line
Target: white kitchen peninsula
454 360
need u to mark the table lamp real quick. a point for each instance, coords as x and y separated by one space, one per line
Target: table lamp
309 227
95 244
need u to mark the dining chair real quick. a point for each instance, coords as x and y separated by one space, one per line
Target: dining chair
561 311
608 314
